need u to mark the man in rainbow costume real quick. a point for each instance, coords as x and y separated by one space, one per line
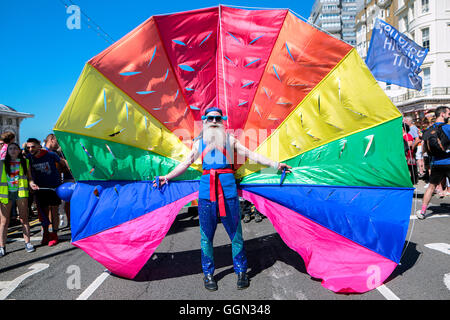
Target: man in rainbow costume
218 195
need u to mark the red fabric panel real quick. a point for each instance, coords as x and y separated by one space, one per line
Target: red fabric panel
190 40
247 37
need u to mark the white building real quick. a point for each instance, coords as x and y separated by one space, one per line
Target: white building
368 12
10 120
427 22
337 17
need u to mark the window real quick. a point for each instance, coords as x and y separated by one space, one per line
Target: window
426 81
349 9
425 6
350 26
426 38
349 17
329 16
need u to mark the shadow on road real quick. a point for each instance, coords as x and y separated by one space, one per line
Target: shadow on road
408 260
262 253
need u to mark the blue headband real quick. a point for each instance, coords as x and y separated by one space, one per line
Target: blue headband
212 109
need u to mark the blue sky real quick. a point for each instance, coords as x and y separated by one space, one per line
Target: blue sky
41 59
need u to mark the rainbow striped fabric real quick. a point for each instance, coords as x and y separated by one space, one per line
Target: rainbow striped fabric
291 93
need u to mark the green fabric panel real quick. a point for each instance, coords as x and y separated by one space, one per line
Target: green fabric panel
346 162
121 163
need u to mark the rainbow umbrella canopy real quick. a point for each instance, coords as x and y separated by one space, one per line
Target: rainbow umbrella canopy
291 93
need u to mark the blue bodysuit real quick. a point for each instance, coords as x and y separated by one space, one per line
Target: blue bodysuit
208 210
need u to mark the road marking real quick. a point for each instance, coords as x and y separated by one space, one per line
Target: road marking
444 248
441 247
7 287
35 239
387 293
94 286
413 217
32 224
447 280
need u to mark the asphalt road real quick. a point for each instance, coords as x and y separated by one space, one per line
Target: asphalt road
65 272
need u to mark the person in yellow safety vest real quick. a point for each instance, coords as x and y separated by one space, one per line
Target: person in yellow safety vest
14 181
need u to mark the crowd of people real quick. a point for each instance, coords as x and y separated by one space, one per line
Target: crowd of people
423 164
30 175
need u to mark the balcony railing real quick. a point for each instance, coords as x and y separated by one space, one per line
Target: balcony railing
432 93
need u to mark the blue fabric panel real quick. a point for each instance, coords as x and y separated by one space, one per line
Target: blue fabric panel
117 202
374 217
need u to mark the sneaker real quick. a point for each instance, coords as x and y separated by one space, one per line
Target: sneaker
247 218
29 247
2 251
258 217
420 215
53 239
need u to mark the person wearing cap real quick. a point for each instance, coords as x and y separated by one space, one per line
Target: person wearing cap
218 195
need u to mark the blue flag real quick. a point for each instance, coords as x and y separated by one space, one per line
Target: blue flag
392 57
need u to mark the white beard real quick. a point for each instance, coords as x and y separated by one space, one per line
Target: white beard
214 136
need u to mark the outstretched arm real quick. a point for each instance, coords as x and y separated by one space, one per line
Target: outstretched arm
256 157
182 167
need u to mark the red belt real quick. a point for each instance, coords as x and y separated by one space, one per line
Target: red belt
215 188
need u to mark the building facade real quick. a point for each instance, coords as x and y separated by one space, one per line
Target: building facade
365 19
337 17
427 22
10 120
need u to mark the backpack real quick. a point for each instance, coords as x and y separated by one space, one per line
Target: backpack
436 142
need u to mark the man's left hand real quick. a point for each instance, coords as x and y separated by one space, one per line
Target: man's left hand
282 166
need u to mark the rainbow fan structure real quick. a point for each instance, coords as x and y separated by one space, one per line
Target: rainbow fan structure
290 91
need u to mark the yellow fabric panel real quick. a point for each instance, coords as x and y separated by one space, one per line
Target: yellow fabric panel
97 108
346 101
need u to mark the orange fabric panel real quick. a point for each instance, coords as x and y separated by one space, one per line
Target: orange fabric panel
138 65
247 37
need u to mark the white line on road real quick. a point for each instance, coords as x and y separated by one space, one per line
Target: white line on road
444 248
413 217
7 287
441 247
387 293
94 286
447 280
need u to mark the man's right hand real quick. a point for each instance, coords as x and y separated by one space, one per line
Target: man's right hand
162 181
